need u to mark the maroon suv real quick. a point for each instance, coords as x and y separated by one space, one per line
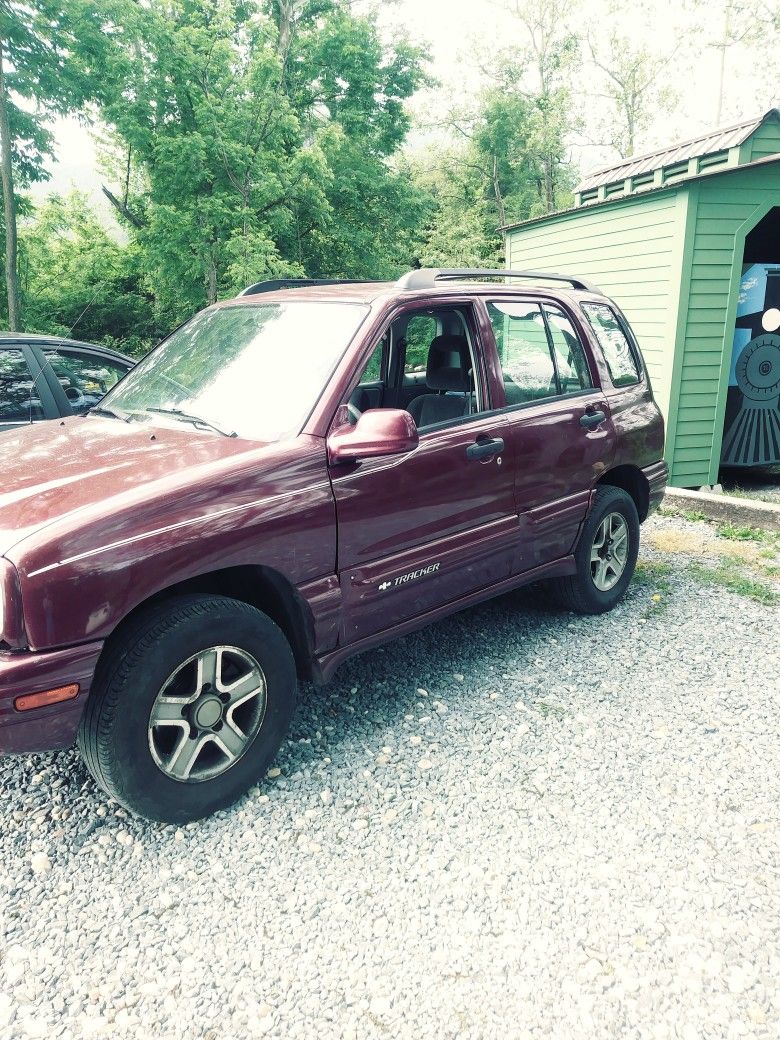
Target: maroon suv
295 476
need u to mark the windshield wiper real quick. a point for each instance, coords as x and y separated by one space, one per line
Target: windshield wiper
113 413
196 420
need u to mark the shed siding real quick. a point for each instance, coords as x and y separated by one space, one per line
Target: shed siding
632 252
724 206
765 141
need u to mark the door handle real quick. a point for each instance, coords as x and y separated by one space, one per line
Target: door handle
590 419
482 449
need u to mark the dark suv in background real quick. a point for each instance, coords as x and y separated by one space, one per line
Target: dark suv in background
42 377
298 475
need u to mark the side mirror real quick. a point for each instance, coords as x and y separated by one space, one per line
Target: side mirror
378 431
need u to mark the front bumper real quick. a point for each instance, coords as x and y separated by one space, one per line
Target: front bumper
657 479
50 728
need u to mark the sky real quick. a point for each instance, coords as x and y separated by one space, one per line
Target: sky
457 29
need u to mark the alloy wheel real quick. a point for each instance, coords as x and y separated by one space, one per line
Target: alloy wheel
207 713
609 552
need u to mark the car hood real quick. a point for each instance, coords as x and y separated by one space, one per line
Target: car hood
52 471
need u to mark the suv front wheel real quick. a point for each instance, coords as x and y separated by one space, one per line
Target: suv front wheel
191 701
605 556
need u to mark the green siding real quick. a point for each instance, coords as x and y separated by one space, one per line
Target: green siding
728 208
765 141
631 250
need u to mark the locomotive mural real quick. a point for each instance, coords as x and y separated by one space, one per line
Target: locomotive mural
751 435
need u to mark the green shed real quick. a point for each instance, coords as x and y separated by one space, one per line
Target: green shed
669 236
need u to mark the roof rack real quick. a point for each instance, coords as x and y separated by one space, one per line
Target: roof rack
427 277
271 285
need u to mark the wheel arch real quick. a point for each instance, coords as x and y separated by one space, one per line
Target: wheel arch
633 481
258 586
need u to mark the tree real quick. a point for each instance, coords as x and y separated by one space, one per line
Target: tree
550 54
75 278
634 83
52 56
506 165
743 23
254 141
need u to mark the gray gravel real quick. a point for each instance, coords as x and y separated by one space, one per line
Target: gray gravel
514 824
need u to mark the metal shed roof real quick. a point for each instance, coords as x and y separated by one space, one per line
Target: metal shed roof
623 199
697 147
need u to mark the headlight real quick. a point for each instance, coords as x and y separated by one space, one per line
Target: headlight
11 617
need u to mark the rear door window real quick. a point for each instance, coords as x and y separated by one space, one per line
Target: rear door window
524 351
84 377
19 395
570 358
623 365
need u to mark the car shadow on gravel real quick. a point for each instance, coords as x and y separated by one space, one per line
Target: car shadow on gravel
453 659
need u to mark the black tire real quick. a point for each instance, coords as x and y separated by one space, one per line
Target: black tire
114 735
578 592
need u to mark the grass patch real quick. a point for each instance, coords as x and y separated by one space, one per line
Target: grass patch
546 710
653 574
743 534
694 515
753 496
730 575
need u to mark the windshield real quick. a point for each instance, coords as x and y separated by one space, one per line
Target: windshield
253 371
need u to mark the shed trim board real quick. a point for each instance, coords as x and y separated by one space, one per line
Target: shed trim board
740 235
688 201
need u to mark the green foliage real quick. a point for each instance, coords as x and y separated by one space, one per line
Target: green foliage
255 141
743 533
57 53
509 167
243 139
77 280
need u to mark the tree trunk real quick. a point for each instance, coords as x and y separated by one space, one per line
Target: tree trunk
211 283
549 183
9 207
121 207
499 197
284 11
722 64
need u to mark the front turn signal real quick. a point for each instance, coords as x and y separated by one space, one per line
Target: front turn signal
41 700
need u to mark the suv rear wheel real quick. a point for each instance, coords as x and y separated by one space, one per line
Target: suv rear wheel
190 703
605 555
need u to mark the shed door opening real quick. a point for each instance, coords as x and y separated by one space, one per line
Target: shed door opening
751 431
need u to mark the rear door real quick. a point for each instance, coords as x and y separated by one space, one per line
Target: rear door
425 529
561 432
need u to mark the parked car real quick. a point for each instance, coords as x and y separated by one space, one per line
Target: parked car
43 377
277 487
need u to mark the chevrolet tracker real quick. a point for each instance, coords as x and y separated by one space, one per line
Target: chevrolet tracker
295 476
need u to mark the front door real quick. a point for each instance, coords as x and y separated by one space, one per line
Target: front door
428 528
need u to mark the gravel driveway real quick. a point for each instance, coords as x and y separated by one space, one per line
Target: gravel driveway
516 823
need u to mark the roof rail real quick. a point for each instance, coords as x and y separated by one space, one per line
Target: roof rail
427 277
271 285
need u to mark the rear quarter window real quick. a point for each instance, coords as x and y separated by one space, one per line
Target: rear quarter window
622 362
